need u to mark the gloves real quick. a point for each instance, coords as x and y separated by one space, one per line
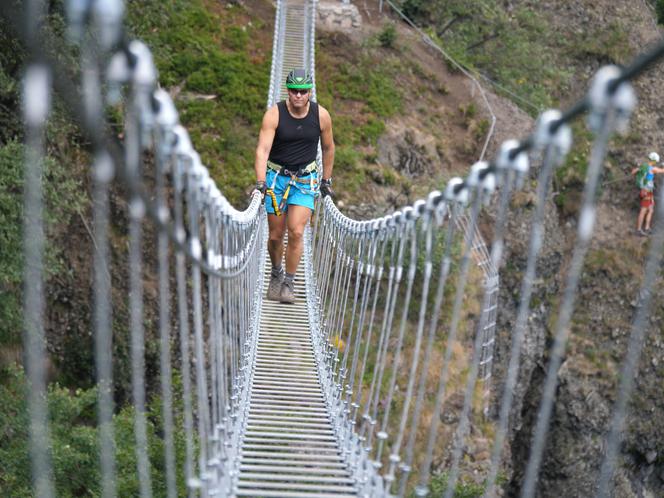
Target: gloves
261 186
326 187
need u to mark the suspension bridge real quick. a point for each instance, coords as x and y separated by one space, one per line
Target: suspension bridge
342 393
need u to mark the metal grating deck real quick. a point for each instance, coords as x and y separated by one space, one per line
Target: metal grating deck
289 448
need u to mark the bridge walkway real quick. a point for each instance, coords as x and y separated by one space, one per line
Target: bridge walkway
289 447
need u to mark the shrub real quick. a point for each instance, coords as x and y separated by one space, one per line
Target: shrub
74 442
388 35
659 10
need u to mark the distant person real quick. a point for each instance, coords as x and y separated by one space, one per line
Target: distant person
287 174
645 180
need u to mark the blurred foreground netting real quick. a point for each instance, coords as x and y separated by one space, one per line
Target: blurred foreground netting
401 309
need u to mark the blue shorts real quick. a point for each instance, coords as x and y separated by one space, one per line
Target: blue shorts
302 191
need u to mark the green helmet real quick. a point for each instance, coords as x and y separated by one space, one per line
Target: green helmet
299 78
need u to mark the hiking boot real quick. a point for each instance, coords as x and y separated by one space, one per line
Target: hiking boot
641 233
287 293
274 288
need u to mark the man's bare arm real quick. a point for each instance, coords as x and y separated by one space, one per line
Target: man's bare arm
265 139
326 142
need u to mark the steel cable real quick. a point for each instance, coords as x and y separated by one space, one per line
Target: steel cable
586 221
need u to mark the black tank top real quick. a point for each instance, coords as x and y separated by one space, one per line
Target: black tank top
295 142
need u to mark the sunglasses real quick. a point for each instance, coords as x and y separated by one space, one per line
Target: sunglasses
299 91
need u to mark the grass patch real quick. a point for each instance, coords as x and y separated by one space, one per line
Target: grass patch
217 60
510 47
438 486
361 92
608 44
611 262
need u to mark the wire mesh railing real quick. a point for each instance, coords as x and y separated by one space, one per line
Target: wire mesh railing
209 250
393 301
374 308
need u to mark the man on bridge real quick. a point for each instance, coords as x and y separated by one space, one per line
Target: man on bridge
287 174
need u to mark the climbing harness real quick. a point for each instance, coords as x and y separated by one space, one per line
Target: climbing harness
283 170
275 204
296 181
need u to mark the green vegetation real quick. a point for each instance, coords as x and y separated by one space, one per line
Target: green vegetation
518 47
62 200
11 58
438 486
510 47
214 59
75 442
387 37
362 92
607 44
659 10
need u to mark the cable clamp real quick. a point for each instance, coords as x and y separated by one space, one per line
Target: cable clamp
441 211
433 200
457 191
544 135
409 214
108 16
136 208
482 178
194 173
220 205
117 74
37 92
163 214
144 78
207 189
183 151
104 169
195 247
602 97
144 72
167 114
509 159
419 209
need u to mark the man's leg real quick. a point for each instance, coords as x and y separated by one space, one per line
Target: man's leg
642 215
275 246
650 210
296 221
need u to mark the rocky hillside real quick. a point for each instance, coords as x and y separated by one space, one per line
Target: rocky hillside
543 54
578 38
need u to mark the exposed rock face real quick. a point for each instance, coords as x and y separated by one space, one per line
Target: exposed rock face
337 16
411 151
605 305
